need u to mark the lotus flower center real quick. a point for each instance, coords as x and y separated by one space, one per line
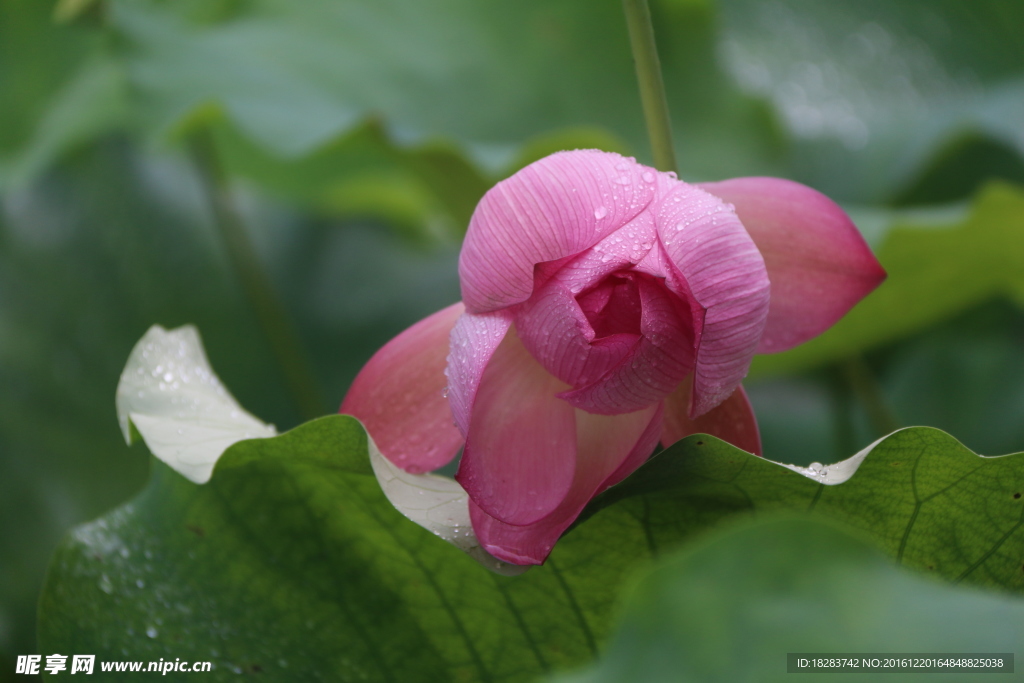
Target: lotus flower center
613 306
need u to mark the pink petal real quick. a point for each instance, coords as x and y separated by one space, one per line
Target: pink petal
398 396
818 263
473 341
731 420
609 448
713 260
520 453
663 357
622 249
557 333
554 208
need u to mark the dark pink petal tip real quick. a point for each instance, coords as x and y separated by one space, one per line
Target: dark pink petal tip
399 396
818 262
732 420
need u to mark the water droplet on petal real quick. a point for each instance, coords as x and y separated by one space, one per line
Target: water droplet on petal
600 212
648 177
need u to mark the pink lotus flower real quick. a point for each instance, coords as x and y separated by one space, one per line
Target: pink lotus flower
606 307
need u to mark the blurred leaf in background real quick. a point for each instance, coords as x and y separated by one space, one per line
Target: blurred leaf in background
731 607
358 137
877 94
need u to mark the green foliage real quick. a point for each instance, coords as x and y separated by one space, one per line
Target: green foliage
869 90
853 100
291 561
923 497
730 607
959 168
36 59
401 114
111 243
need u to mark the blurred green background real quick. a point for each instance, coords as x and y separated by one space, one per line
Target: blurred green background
350 142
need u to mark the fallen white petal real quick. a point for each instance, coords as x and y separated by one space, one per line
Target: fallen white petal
178 405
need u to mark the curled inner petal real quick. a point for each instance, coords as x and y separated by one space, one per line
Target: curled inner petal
660 360
621 345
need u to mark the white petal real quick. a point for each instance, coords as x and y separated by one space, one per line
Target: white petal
178 405
438 504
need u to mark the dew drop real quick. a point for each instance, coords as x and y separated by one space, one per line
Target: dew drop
600 212
648 177
152 632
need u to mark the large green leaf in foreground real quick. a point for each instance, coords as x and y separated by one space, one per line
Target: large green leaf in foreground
291 562
924 497
794 585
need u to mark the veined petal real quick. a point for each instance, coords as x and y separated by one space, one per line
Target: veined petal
472 343
557 333
554 208
818 262
731 420
714 261
663 357
520 453
609 448
624 248
399 396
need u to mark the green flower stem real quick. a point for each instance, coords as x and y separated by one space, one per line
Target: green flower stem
273 319
652 88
